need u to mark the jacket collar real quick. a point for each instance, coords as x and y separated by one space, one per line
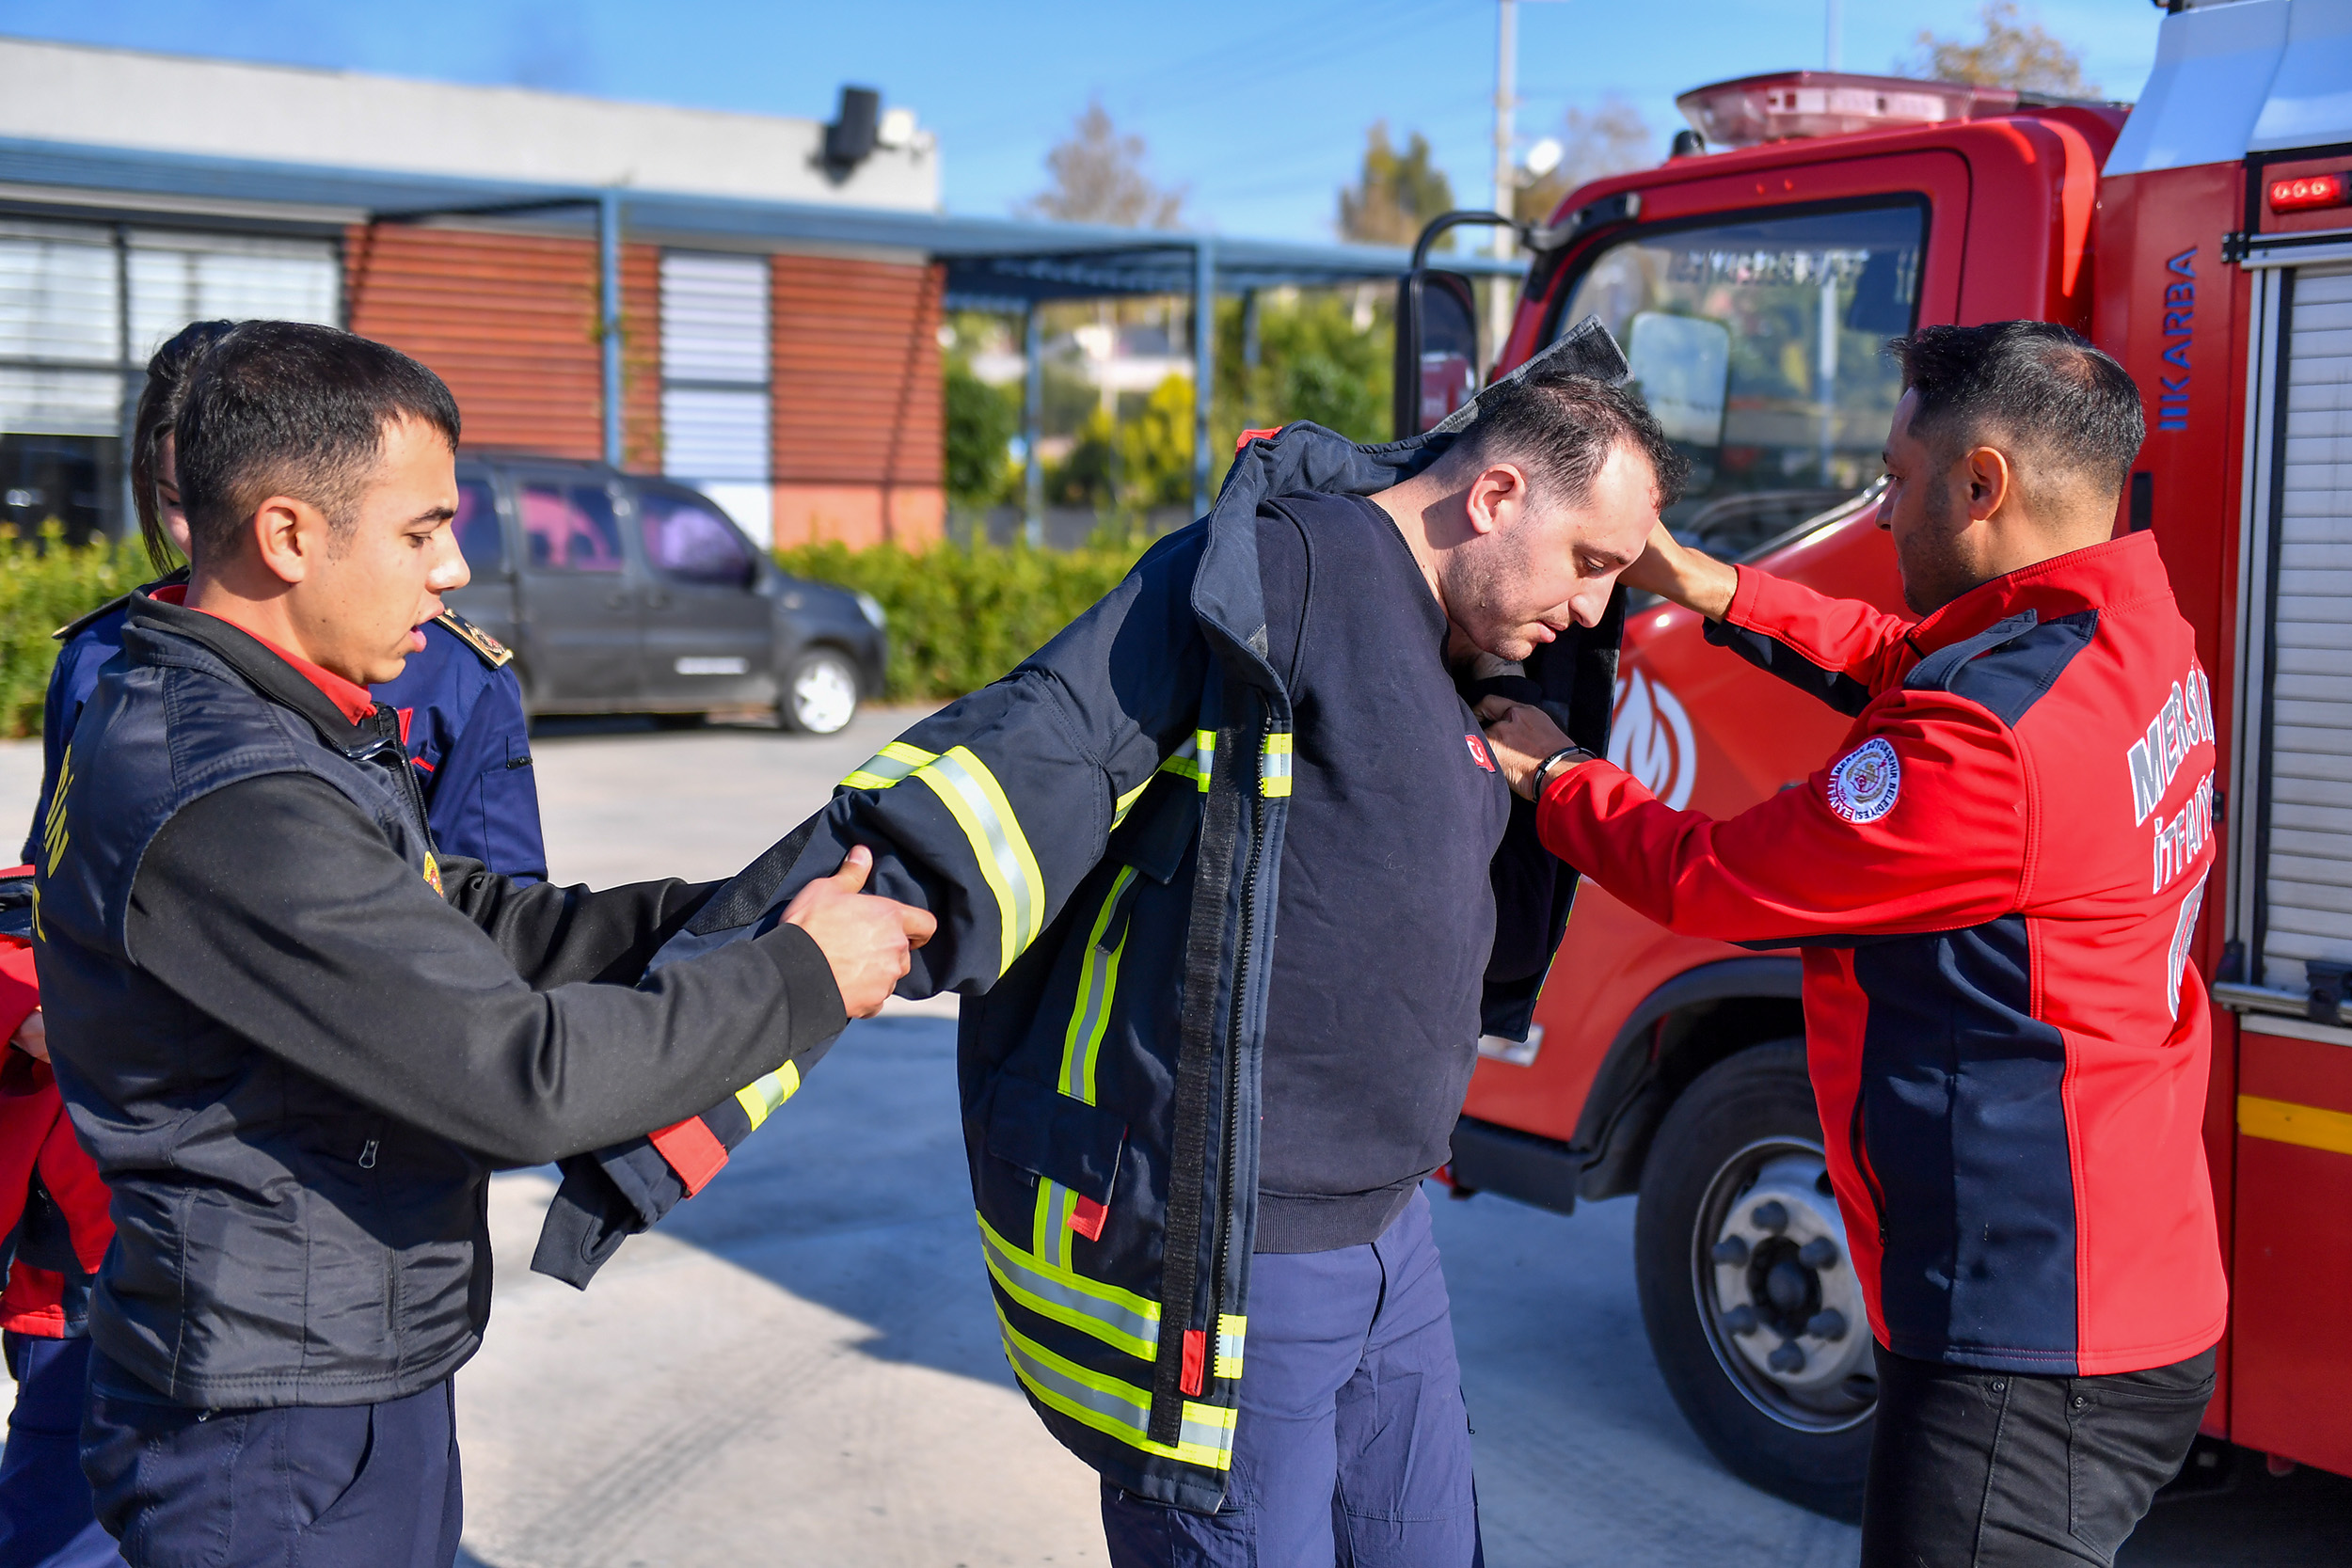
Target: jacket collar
2120 571
254 662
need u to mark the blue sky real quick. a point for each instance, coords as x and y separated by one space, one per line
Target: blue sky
1260 106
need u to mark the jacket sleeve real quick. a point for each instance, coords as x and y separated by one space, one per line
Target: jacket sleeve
483 798
990 812
1919 825
1843 651
474 1015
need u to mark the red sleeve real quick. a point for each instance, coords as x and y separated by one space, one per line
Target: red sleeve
1918 825
1846 636
19 991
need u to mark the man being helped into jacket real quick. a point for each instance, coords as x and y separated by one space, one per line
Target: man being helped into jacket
295 1038
1996 881
1219 871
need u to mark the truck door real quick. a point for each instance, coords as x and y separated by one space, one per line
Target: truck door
487 599
2290 890
580 605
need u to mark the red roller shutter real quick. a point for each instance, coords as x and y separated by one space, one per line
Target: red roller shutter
857 381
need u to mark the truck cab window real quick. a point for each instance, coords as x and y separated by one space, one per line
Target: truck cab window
571 528
476 527
1756 343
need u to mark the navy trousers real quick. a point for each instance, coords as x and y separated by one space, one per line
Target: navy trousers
290 1486
45 1515
1351 1445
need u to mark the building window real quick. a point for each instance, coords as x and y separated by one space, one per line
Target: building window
715 354
77 325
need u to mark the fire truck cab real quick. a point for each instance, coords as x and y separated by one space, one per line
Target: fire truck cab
2203 237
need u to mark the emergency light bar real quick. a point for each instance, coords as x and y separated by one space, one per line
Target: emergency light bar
2304 192
1789 104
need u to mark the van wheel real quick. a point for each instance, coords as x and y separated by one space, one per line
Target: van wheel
1754 1310
820 693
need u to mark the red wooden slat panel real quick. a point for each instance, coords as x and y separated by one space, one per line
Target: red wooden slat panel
857 379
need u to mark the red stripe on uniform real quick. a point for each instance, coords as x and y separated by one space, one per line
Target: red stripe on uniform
693 1150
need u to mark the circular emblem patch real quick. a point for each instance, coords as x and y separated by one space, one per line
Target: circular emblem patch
1864 782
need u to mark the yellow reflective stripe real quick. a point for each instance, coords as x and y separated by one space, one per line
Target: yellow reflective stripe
1274 771
1127 802
53 835
972 796
1231 1330
1194 759
2284 1121
1098 982
760 1097
1116 1409
1121 1320
887 767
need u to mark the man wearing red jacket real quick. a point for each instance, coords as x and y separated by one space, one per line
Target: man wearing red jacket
1996 881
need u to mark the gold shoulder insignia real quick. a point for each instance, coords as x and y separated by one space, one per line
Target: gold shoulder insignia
494 653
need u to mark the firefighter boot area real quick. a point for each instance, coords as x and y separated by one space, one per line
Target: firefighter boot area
818 1313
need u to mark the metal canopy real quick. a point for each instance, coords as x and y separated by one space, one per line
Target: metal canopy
1006 265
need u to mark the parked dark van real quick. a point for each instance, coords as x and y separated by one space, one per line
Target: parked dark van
626 594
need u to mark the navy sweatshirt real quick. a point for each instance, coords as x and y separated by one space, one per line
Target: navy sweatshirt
1384 915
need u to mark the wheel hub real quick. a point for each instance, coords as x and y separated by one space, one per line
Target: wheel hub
1779 1294
823 697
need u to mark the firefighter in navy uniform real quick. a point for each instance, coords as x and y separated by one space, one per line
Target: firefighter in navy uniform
1232 888
461 719
293 1036
1996 882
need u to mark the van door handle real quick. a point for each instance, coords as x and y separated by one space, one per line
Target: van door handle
616 601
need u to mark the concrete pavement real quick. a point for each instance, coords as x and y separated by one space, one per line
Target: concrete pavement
801 1367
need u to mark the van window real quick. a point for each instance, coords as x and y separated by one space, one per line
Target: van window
1756 343
476 528
571 528
685 538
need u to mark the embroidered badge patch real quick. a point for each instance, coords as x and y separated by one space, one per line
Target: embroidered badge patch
1864 782
1477 744
432 874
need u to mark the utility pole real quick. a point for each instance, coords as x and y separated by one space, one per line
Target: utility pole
1506 182
1832 28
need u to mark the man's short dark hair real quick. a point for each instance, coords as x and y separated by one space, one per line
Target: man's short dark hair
287 408
2034 388
1560 428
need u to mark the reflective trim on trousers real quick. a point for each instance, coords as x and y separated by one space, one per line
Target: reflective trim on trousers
1116 1409
1121 1319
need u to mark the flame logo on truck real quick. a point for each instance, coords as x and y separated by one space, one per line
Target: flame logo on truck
1649 737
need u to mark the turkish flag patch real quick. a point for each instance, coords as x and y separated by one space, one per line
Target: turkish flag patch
1477 744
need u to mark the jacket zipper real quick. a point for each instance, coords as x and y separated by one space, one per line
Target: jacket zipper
1857 1140
1234 1035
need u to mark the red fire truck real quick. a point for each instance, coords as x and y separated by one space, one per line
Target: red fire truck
2204 238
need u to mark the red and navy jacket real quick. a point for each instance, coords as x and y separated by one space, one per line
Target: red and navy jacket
1995 881
54 1224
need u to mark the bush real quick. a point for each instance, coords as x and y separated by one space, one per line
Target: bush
45 583
961 615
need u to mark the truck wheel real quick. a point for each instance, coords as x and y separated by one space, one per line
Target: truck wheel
820 693
1752 1305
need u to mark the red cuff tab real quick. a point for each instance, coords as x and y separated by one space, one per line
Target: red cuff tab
1196 1352
1087 1217
693 1151
1250 436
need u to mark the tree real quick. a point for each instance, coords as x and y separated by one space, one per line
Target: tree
1098 177
981 421
1608 139
1396 193
2011 54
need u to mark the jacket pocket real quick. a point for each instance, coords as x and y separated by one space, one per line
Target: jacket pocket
1858 1150
1047 1133
2126 1435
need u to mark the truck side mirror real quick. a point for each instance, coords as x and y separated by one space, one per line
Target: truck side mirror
1436 348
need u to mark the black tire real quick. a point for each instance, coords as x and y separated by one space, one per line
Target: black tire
1737 1152
818 693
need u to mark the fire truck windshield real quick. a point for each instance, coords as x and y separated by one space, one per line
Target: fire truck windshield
1756 343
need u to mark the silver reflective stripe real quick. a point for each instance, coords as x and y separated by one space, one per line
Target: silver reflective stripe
970 792
893 762
1057 1295
1118 1409
1098 982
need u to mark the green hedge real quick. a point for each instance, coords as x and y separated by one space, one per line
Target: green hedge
963 615
44 585
960 616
